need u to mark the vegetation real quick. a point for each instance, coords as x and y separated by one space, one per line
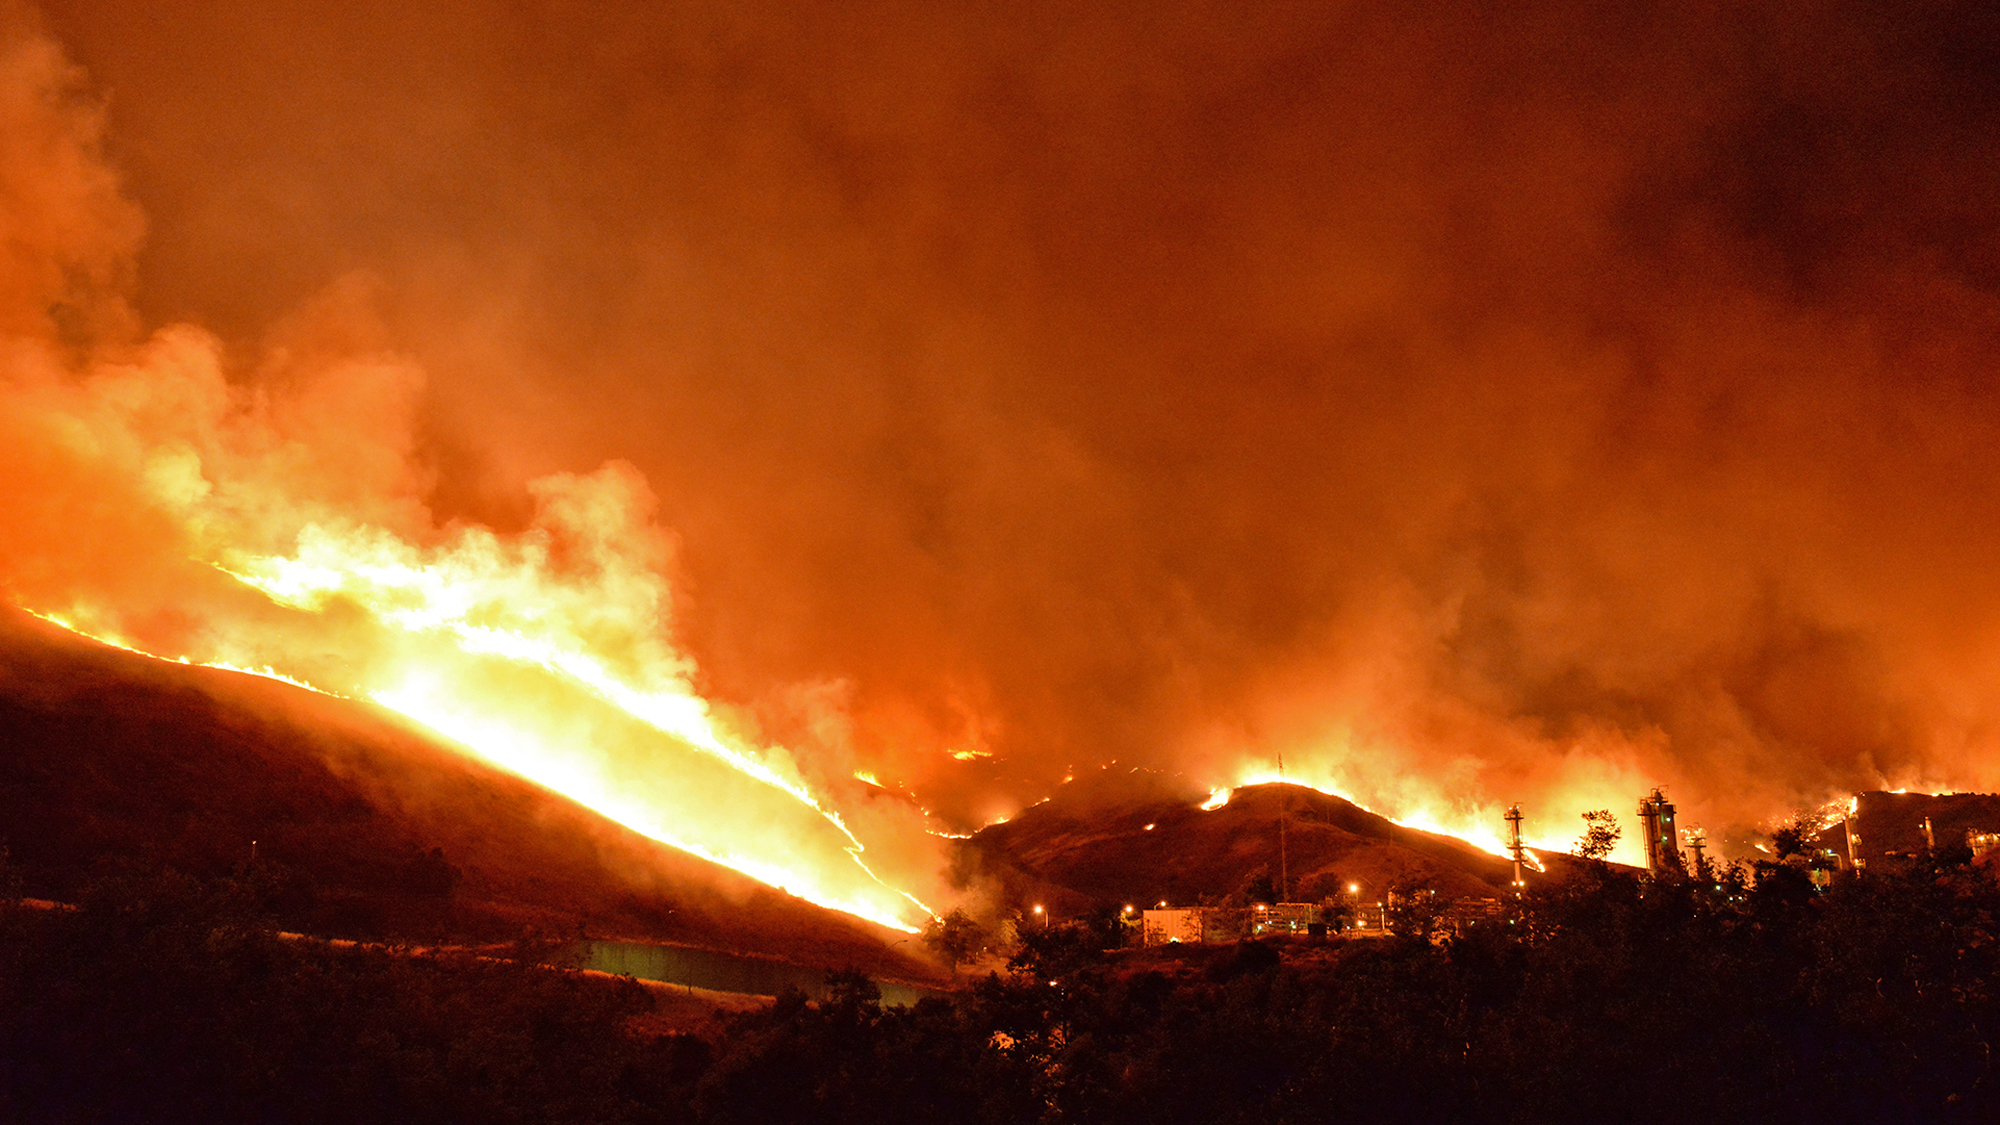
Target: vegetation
1600 834
955 938
1608 998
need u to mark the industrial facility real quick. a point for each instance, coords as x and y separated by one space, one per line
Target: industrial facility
1879 828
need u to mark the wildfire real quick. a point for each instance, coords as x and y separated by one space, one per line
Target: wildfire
544 656
1470 828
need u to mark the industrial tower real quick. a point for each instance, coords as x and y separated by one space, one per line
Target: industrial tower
1663 851
1514 845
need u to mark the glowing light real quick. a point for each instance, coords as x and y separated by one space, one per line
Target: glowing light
558 674
525 756
1470 829
267 672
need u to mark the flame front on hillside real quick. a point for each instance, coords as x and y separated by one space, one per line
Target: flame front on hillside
1469 826
544 655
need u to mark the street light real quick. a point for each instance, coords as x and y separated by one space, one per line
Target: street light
1043 914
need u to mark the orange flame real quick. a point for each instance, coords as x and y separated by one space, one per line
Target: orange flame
555 670
1468 825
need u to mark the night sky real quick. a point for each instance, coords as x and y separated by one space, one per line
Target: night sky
1473 402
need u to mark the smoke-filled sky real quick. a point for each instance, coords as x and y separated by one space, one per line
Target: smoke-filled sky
1472 402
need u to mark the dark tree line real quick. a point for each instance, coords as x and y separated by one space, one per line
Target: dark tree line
164 998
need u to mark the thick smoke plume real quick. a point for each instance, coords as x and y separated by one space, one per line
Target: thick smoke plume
1528 402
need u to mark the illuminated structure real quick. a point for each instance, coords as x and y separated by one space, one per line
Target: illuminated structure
1172 926
1656 815
1514 847
1284 918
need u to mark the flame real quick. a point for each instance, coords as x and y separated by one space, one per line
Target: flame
558 676
1470 828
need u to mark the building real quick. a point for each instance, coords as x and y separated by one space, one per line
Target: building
1168 926
1285 918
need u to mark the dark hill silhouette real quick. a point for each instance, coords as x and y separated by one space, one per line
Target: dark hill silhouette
365 824
1089 845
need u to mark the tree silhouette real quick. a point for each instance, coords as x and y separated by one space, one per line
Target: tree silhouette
956 937
1600 835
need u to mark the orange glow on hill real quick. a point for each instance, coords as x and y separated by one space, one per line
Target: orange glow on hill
557 675
1467 826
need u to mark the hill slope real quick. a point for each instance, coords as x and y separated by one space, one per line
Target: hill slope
378 828
1144 838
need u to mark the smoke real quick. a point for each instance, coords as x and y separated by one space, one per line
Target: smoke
1534 403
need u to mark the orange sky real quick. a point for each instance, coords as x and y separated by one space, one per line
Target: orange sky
1526 402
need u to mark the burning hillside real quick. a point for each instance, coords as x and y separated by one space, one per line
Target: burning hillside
1126 838
373 828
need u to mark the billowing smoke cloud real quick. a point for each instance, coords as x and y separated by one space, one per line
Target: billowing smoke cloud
1476 404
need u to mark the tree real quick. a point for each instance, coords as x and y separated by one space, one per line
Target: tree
1414 911
1600 835
1337 913
954 937
1792 838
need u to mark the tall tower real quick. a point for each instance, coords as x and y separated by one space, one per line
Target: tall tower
1663 851
1284 802
1852 822
1514 844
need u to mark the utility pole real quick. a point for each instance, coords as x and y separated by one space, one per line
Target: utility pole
1284 800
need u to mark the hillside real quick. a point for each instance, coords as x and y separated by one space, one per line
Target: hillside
368 825
1144 838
